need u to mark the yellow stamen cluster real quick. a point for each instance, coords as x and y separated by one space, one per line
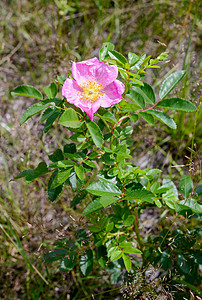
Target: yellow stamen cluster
90 91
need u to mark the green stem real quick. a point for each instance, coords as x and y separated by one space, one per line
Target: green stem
103 121
138 236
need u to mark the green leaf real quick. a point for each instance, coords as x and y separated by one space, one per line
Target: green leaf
129 220
56 156
123 73
103 189
61 79
78 198
131 250
188 204
90 163
182 264
111 248
70 148
177 104
117 56
78 137
28 91
108 116
146 92
163 56
94 228
33 174
92 206
132 58
95 133
101 256
145 62
127 131
147 117
35 109
133 118
153 172
127 262
137 98
60 178
51 120
116 276
169 184
115 255
86 262
170 199
69 262
140 194
79 171
185 186
54 255
107 200
128 107
51 90
125 244
103 177
153 67
54 193
79 156
136 81
103 53
75 183
47 113
137 64
163 118
165 260
84 145
158 202
70 119
62 164
170 82
198 189
109 227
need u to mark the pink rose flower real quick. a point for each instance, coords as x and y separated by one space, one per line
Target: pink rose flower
94 85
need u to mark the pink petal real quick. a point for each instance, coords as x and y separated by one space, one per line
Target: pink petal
85 70
90 108
106 74
112 93
70 91
90 113
94 107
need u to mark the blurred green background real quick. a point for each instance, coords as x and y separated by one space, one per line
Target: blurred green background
39 40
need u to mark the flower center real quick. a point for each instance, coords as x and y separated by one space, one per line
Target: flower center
90 91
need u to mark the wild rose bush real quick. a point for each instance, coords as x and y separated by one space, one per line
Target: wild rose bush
100 112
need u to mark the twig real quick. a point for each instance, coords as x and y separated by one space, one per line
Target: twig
7 57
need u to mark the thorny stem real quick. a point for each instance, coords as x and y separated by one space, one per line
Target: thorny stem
84 117
125 117
150 107
87 139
